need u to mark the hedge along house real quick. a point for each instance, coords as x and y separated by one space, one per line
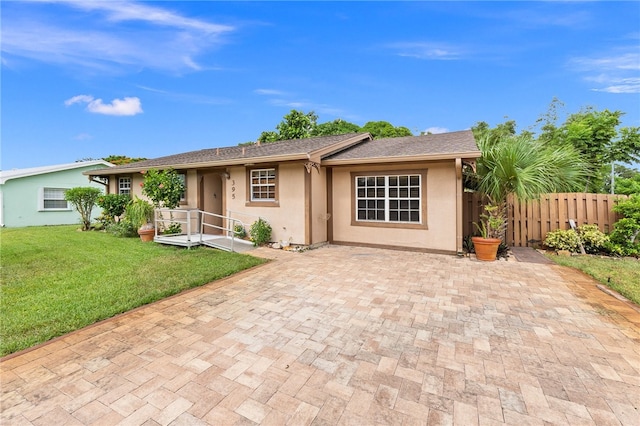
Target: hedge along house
347 189
35 196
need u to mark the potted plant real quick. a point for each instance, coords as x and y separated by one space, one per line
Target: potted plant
492 228
525 168
141 214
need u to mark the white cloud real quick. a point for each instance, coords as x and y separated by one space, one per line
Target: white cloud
97 35
271 92
83 137
78 99
435 130
121 107
614 73
426 50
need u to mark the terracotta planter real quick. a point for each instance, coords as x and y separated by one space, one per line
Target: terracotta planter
146 235
486 248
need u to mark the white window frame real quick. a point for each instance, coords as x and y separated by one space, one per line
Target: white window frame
377 197
122 188
42 198
264 176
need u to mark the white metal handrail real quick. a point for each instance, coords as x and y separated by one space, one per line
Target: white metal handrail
229 230
191 224
159 218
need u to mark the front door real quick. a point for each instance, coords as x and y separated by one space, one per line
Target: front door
210 200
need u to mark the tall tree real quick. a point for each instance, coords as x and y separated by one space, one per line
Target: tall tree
483 131
596 136
122 159
335 127
384 129
295 125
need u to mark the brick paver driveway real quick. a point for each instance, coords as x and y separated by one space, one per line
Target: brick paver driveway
345 335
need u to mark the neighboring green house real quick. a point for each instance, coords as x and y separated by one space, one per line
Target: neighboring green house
35 196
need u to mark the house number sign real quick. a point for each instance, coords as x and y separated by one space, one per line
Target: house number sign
233 189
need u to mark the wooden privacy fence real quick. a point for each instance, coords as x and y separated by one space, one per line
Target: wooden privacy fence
529 221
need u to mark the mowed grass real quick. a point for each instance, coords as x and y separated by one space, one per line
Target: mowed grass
621 275
57 279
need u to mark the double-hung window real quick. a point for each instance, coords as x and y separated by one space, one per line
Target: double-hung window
53 199
389 199
263 185
124 185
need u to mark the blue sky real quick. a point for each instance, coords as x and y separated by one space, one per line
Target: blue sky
87 79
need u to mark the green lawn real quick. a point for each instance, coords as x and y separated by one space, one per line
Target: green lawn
57 279
620 275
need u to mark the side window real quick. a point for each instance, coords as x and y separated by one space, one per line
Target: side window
263 185
53 199
124 185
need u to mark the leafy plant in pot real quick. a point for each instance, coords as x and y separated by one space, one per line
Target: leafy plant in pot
524 168
141 214
492 228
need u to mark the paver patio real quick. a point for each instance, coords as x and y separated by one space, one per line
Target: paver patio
347 335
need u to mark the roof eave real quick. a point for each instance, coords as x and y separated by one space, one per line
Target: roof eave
208 164
402 159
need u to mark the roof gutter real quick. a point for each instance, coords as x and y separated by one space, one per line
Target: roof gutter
205 164
412 158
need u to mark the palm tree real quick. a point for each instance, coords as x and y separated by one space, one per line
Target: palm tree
526 168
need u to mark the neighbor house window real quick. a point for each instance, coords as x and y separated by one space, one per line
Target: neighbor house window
124 185
395 198
53 199
263 185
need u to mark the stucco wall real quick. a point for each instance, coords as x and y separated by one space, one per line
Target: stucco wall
21 197
286 219
440 192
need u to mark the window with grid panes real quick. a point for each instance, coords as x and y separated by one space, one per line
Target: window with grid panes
124 185
263 184
53 199
394 198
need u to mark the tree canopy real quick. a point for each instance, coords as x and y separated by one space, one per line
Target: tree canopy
301 125
594 134
335 127
122 159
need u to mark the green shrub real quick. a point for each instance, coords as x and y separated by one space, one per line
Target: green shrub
626 232
123 228
83 198
260 232
239 231
113 205
593 240
624 238
173 228
562 239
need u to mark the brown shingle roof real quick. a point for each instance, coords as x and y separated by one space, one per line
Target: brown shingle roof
337 149
292 149
443 145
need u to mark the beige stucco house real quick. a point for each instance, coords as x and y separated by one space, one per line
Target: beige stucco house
348 189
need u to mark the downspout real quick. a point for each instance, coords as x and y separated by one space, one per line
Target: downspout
459 189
